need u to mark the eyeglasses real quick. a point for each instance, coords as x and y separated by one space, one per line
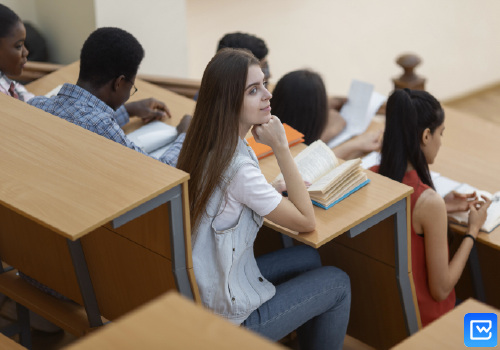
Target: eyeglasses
133 90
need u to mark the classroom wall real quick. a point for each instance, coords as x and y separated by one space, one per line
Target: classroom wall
342 40
24 8
159 25
65 24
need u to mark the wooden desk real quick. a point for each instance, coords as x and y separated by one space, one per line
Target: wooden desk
448 331
9 344
172 322
98 226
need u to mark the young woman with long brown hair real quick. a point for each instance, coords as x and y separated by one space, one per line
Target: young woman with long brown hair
279 292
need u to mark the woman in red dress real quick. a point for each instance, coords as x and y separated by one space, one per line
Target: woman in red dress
412 138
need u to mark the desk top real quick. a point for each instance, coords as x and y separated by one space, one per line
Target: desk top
448 331
177 104
57 174
379 194
172 322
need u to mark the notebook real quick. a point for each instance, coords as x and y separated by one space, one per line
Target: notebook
261 151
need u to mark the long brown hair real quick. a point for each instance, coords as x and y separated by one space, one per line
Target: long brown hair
212 137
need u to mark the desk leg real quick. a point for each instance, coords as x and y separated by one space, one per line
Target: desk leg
23 317
177 243
85 283
476 275
402 276
287 241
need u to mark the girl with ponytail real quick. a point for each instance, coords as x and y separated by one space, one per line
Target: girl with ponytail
412 138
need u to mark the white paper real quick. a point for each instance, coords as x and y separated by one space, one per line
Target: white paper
371 159
153 136
444 185
53 92
362 104
159 152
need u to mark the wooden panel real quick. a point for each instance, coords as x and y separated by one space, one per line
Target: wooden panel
125 275
37 252
447 333
376 314
65 314
9 344
377 242
57 174
172 322
150 230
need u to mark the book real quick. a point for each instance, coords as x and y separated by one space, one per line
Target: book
444 186
154 138
361 106
262 151
53 92
330 180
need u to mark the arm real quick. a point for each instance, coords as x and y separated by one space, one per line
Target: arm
121 116
334 126
359 145
296 212
430 214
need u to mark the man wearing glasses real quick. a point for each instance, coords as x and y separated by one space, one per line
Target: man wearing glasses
109 62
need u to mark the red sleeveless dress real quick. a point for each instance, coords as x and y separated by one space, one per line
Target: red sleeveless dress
430 309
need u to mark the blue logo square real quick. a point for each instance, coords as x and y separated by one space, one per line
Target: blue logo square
480 330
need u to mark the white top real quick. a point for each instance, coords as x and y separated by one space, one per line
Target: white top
249 187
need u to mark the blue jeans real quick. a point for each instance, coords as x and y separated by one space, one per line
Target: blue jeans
311 299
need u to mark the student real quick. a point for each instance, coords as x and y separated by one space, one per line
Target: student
412 138
13 54
299 99
229 196
109 61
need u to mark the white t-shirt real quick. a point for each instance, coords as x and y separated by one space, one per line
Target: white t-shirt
248 187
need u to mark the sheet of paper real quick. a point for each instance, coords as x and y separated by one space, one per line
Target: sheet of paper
159 152
371 159
53 92
362 104
154 135
444 185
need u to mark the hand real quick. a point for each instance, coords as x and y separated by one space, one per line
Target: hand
271 133
337 102
477 216
370 141
280 185
184 124
148 110
459 202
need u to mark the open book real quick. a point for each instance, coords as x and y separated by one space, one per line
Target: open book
444 186
262 151
330 181
154 138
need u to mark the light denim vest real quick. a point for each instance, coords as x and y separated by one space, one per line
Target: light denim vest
228 278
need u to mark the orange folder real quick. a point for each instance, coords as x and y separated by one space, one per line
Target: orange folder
261 151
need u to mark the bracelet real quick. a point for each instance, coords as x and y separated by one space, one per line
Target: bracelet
471 236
